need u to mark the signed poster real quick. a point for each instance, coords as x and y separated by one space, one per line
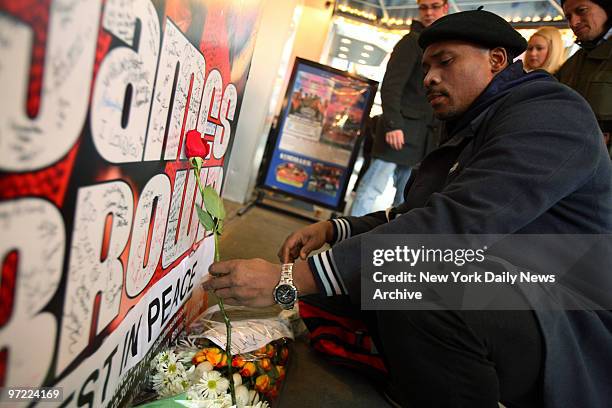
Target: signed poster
101 250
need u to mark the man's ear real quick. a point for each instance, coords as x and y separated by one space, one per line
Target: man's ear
498 58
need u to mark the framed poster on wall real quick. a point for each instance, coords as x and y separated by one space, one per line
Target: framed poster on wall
311 157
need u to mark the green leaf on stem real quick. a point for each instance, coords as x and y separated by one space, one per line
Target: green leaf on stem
220 227
213 203
205 219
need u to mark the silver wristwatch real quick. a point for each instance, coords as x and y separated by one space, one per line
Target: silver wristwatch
285 293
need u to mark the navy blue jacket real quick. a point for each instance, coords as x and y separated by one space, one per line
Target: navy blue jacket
527 158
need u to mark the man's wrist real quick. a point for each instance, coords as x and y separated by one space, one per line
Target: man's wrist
303 278
329 231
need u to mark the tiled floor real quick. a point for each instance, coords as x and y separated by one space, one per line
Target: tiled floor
310 381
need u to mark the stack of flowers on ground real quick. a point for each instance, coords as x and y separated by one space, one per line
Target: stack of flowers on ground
201 373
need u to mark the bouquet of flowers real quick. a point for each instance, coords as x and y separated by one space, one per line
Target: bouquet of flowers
195 371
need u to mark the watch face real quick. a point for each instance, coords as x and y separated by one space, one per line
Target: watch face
285 294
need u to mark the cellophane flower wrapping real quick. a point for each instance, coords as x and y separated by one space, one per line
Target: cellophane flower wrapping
194 371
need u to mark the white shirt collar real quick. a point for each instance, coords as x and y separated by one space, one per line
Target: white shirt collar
606 36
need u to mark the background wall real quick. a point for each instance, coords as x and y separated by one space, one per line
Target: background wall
288 28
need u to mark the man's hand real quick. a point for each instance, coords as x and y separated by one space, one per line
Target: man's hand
244 282
251 282
395 139
303 241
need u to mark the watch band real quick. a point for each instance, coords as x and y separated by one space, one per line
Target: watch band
285 293
287 274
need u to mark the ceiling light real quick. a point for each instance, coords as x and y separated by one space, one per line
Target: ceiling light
365 55
345 41
342 56
548 18
345 49
361 61
536 19
368 47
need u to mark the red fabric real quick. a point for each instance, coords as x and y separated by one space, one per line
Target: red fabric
348 337
309 311
345 330
331 348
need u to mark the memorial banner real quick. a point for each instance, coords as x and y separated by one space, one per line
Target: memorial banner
323 116
101 251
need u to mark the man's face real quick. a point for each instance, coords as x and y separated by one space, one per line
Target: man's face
431 10
586 19
456 72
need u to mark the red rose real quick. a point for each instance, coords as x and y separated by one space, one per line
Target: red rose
195 146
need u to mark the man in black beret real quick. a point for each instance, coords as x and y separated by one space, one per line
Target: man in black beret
522 154
589 70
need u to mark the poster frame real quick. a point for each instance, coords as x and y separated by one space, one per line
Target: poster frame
276 133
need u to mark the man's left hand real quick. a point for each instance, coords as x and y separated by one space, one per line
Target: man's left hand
395 139
244 282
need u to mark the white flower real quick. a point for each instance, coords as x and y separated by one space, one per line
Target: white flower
192 394
165 360
222 402
237 379
170 376
253 397
212 384
204 367
242 396
185 357
260 404
194 400
167 386
188 343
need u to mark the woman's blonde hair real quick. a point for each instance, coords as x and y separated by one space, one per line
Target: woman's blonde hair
556 50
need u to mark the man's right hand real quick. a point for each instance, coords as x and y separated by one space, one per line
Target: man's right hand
303 241
395 139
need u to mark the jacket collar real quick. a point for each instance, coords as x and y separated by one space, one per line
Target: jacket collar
591 45
500 87
416 26
602 52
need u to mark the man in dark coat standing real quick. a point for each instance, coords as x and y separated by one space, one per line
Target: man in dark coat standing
589 70
403 136
523 156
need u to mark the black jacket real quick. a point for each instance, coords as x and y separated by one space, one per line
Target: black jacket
528 158
589 72
404 103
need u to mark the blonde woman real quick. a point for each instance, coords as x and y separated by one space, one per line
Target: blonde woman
545 50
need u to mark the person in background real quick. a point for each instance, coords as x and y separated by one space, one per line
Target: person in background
368 141
544 51
402 137
589 70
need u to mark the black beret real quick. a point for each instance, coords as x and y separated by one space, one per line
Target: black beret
474 26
